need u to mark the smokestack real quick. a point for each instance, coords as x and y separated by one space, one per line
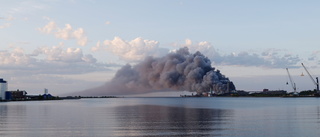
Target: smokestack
177 71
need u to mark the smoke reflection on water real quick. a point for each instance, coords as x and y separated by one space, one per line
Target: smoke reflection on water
101 117
153 120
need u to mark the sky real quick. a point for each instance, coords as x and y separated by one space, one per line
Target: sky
73 45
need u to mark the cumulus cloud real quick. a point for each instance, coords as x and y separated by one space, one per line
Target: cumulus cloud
314 57
50 60
134 50
204 47
15 58
268 58
242 58
50 27
5 25
79 35
97 47
9 18
274 59
65 33
70 55
139 48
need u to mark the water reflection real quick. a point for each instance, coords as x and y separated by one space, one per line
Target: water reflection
12 118
248 117
151 120
3 119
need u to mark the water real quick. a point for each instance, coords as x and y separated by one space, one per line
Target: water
125 117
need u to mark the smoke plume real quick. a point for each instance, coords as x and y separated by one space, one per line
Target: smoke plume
177 71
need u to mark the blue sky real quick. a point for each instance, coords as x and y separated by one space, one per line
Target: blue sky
68 46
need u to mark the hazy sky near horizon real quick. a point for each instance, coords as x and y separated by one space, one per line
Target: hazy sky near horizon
70 45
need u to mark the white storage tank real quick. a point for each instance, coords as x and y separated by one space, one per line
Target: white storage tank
3 89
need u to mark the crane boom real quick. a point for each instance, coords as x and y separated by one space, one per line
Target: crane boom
291 81
314 82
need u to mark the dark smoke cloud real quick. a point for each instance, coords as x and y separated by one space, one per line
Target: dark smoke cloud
177 71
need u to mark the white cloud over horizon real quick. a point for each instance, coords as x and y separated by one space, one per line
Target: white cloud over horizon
269 58
50 60
66 33
139 48
134 50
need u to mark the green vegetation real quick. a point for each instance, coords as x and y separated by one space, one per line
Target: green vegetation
308 93
266 95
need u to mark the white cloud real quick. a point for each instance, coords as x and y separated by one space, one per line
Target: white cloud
50 60
138 49
70 55
9 18
6 25
204 47
65 33
108 22
314 57
50 27
272 58
134 50
79 35
97 47
15 58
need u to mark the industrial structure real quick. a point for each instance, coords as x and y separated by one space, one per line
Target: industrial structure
3 89
315 82
21 95
292 83
16 95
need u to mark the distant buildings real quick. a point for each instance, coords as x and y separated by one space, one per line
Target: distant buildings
21 95
16 95
10 95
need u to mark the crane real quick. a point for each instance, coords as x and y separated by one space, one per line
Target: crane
292 83
315 82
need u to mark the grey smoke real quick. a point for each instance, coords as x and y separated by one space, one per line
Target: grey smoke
177 71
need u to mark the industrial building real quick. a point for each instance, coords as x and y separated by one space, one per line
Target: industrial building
16 95
3 89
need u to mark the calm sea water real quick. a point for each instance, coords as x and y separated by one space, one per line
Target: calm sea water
125 117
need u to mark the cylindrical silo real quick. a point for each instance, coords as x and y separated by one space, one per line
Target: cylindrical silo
3 89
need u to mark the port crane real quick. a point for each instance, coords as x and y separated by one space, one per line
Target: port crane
315 82
292 82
